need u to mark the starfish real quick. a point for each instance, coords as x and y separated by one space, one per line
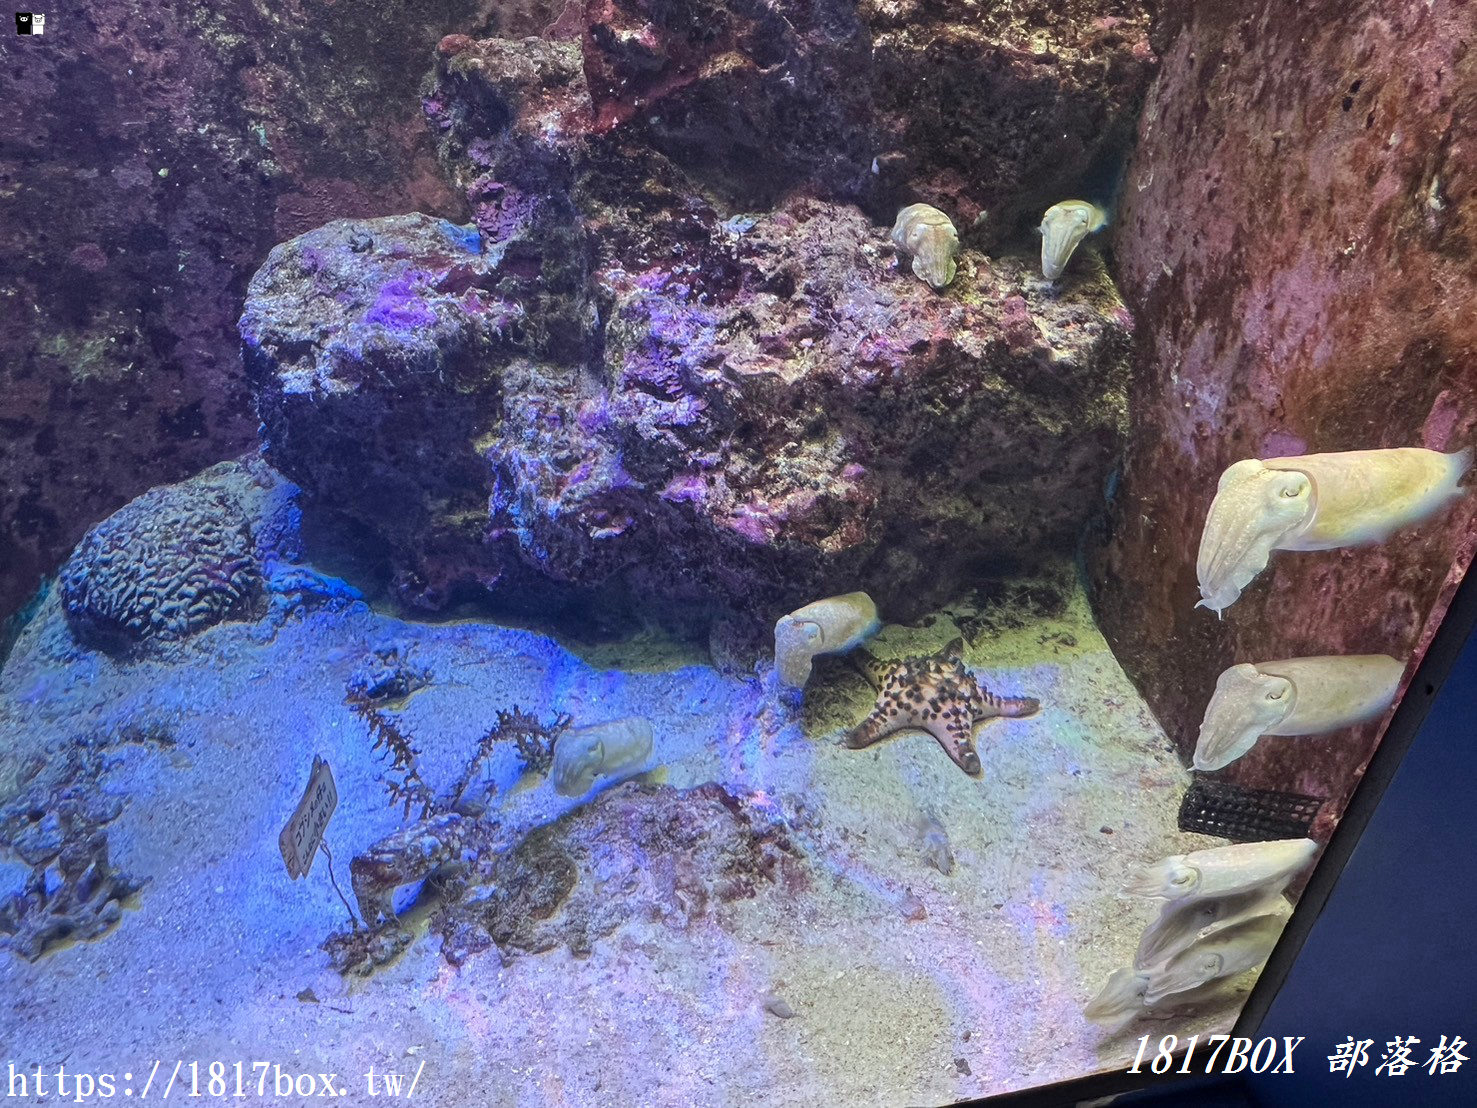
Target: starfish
938 695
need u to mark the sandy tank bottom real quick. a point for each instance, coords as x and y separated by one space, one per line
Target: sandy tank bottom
878 978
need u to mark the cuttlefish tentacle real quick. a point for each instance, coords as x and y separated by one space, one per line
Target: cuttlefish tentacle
1063 228
1245 706
1316 502
1121 998
1293 696
1255 509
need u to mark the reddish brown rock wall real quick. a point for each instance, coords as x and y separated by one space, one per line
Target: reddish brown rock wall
1298 240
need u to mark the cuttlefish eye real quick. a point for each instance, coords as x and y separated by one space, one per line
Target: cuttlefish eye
1183 878
1278 695
1293 486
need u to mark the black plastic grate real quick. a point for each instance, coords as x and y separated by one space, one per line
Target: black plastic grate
1246 815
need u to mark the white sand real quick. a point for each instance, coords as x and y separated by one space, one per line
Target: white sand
210 961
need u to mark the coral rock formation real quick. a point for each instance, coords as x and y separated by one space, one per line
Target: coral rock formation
636 853
158 151
174 561
752 97
147 178
369 345
614 386
54 816
1000 110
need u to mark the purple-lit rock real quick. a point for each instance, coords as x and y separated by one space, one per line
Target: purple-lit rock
994 112
1000 109
155 153
752 98
801 419
368 345
617 389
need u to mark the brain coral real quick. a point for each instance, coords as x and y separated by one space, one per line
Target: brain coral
172 562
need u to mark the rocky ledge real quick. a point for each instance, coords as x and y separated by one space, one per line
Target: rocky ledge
617 386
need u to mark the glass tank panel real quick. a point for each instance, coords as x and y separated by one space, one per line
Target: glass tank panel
628 552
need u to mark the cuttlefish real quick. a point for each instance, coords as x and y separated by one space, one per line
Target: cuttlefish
1316 502
1063 228
928 236
611 749
938 695
1294 696
1226 953
1222 870
1238 938
1182 923
830 626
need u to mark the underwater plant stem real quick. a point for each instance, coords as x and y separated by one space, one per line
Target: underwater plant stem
353 919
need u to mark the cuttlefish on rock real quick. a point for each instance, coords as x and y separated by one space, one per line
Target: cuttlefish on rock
1063 228
928 236
938 695
1316 502
1295 696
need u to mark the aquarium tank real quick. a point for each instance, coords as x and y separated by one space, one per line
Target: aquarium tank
705 552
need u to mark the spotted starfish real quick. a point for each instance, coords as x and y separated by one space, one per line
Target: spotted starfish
938 695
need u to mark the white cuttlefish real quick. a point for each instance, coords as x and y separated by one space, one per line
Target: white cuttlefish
1222 870
1123 999
1242 932
1294 696
1119 1000
1316 502
1063 228
1181 923
830 626
618 748
1224 953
